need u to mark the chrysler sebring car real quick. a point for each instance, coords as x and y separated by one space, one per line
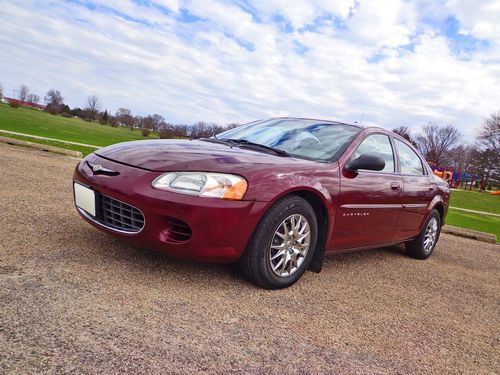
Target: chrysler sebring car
274 195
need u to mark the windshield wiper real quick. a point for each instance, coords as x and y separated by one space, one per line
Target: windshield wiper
215 140
244 142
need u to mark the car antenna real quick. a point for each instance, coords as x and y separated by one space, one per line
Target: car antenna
361 119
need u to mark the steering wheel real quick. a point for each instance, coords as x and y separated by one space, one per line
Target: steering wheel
307 138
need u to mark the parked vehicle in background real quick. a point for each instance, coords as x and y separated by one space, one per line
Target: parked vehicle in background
275 195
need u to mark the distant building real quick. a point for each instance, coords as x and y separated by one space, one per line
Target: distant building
24 104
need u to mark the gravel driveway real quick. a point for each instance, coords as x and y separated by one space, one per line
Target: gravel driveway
74 300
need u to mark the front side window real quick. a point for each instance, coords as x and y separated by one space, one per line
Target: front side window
377 145
302 138
409 161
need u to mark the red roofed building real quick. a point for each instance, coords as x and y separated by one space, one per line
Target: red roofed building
25 104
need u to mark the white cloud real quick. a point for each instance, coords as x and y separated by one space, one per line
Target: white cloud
383 23
173 5
479 18
235 63
301 13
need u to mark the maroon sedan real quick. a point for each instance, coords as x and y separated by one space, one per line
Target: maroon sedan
274 195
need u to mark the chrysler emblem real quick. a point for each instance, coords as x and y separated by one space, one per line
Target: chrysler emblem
99 169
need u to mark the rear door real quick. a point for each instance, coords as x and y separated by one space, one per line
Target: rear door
418 191
370 201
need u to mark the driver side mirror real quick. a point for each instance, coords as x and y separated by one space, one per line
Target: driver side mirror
365 161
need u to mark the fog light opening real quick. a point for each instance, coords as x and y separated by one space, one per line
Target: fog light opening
176 231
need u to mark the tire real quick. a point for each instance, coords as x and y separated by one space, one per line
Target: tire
421 247
293 248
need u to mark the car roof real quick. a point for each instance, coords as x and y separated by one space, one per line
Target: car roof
316 119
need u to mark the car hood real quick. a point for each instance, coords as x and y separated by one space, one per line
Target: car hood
166 155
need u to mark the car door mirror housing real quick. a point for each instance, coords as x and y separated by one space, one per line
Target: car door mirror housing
368 162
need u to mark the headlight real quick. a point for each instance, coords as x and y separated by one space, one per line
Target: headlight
203 184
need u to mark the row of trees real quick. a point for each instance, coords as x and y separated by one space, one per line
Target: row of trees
445 146
54 102
156 122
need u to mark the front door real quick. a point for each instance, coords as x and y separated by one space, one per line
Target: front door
369 202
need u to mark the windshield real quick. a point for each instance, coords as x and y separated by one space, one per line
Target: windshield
303 138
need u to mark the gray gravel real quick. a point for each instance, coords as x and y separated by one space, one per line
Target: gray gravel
74 300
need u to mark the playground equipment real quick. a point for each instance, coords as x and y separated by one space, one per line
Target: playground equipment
459 180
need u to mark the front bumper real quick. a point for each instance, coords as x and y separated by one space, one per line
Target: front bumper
220 228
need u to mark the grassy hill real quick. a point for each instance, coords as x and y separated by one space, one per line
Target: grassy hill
33 122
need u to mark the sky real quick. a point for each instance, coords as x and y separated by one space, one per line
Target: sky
387 62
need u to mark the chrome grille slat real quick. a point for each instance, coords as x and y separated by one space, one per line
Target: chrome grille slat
119 215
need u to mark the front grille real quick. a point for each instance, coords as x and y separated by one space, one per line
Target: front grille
118 215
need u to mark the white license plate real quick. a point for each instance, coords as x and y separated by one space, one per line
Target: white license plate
85 198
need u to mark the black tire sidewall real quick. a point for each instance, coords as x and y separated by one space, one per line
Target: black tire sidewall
419 248
265 232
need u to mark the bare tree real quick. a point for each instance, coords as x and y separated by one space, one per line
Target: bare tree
54 101
157 122
438 142
146 125
168 131
1 91
486 162
181 130
152 123
23 93
490 133
33 98
199 129
202 129
232 126
124 117
404 131
92 108
462 157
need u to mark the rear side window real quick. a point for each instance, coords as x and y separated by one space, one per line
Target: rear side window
409 161
378 145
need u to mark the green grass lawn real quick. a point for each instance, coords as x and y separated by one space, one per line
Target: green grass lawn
34 122
482 223
84 150
475 201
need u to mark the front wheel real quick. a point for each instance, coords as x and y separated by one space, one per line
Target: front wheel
282 245
423 246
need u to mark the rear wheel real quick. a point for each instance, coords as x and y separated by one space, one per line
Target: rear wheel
423 246
282 245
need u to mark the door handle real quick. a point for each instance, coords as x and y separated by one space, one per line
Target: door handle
395 186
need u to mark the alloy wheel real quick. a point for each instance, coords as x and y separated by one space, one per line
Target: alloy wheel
430 235
289 245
